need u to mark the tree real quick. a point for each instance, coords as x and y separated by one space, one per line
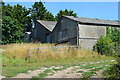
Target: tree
21 14
49 17
39 12
65 12
11 30
114 34
15 21
6 10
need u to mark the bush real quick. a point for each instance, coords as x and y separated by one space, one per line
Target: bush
110 44
106 45
103 45
113 73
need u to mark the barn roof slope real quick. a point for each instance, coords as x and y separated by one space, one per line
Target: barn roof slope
95 21
50 25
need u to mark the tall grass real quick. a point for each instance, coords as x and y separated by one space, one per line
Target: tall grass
15 55
20 51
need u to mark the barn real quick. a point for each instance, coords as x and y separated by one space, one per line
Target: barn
83 32
42 31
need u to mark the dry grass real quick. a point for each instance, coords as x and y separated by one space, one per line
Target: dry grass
21 51
15 55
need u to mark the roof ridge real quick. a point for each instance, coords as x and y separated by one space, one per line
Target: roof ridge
46 21
94 21
91 18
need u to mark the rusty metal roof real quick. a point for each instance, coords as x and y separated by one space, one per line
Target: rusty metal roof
48 24
95 21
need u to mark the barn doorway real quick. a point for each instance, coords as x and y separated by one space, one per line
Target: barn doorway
48 38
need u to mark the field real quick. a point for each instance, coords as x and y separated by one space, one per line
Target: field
50 61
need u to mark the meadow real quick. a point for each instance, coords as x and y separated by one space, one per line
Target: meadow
15 58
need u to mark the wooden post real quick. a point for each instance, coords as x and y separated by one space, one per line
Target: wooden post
37 54
28 55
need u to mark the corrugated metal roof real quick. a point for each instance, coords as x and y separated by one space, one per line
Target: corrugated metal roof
94 21
48 24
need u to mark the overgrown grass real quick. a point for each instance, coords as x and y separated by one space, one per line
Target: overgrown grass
20 51
113 73
14 57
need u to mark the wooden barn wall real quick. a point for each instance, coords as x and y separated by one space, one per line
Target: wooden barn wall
65 32
40 33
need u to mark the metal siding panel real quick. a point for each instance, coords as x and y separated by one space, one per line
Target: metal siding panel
91 31
89 34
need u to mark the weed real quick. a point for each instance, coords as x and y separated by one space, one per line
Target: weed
79 71
42 75
88 74
97 69
54 69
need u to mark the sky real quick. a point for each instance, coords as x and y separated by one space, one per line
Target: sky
101 10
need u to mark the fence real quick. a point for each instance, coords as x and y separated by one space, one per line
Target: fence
55 50
32 52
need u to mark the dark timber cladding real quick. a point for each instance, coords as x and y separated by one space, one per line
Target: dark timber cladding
83 32
42 31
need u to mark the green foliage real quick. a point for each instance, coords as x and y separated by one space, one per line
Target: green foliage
65 12
112 38
21 14
103 45
79 71
88 74
42 75
107 45
11 30
15 22
114 34
114 71
39 12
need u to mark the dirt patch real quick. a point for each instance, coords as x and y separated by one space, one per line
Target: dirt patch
66 71
99 74
2 77
61 74
30 73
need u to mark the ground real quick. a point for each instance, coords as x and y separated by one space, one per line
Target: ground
91 67
81 70
1 64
